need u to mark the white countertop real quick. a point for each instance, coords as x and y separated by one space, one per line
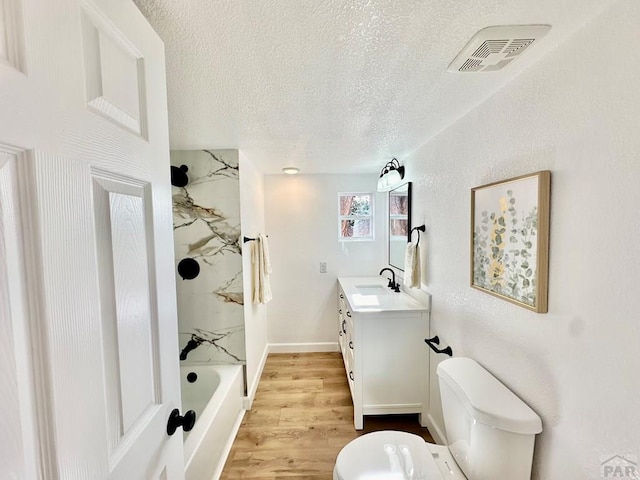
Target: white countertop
371 294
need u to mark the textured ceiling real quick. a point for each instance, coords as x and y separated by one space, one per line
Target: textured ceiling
333 86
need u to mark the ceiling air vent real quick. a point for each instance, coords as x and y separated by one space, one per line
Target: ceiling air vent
493 48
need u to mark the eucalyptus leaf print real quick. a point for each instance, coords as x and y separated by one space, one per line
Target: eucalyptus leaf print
505 239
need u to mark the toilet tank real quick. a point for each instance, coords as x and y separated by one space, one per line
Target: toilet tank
490 431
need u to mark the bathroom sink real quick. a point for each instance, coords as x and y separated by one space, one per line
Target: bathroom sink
371 294
372 289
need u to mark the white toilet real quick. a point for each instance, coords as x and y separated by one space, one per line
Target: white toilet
490 434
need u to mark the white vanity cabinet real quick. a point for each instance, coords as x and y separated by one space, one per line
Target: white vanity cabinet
345 337
381 336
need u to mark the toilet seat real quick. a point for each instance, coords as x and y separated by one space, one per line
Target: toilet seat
390 455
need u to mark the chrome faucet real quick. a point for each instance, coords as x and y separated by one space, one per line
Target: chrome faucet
392 281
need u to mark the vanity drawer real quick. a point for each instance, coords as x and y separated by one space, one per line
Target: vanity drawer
342 325
342 300
342 341
348 317
350 367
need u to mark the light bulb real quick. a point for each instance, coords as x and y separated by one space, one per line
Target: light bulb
393 177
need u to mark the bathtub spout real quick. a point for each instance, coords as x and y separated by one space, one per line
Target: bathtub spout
191 345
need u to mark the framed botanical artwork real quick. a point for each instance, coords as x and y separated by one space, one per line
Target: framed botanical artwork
510 239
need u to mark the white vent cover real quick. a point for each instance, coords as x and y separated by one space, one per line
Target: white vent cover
493 48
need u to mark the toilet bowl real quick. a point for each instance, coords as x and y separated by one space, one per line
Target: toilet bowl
490 433
392 455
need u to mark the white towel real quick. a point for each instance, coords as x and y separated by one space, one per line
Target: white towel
265 253
261 267
412 266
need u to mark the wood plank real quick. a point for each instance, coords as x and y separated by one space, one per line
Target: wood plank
262 417
306 373
316 415
300 360
308 436
301 418
260 463
291 385
297 399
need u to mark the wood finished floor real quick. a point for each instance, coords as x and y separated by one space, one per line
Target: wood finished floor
301 417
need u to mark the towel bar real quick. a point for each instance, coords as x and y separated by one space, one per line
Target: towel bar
248 239
436 340
419 229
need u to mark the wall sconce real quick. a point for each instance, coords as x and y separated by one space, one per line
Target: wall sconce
390 176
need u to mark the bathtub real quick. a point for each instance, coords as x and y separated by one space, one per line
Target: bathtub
216 397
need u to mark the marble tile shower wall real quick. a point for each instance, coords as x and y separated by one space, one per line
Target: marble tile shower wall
206 224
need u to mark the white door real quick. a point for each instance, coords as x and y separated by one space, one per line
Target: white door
88 328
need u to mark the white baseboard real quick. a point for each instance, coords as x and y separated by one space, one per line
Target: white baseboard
253 386
228 445
303 347
435 431
392 409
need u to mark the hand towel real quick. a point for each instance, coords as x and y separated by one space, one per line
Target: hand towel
412 266
261 267
265 253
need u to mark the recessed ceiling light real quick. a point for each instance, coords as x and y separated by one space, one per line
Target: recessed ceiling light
290 170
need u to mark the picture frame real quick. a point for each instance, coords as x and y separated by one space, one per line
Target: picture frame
510 239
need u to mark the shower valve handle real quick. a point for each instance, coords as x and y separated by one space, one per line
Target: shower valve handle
175 420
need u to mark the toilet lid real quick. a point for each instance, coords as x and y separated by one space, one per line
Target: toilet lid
386 455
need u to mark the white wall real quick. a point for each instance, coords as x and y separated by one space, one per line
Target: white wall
576 113
301 216
255 315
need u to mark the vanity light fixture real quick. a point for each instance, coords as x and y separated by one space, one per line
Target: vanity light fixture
390 176
291 170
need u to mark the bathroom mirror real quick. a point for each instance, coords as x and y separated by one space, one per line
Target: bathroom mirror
399 224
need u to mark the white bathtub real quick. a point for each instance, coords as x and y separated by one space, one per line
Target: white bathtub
216 397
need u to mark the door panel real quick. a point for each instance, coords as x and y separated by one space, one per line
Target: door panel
114 72
133 322
19 454
129 321
96 337
4 50
10 34
63 215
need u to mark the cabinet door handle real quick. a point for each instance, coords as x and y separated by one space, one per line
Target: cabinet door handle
340 311
349 314
340 332
351 345
351 374
341 296
344 326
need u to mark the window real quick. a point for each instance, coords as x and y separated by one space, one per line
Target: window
355 219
